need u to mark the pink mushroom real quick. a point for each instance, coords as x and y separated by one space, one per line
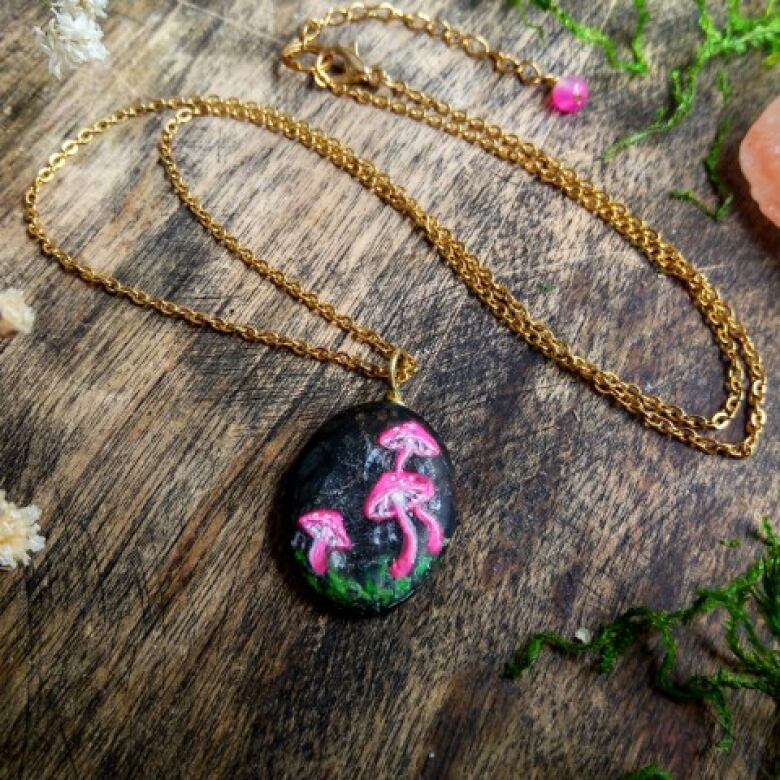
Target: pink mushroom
435 535
407 439
326 528
393 497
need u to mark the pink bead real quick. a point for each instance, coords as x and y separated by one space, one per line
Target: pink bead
569 94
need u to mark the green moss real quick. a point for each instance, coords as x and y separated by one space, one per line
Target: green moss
649 772
739 35
747 601
637 64
712 164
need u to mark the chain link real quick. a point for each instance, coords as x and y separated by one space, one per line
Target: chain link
339 70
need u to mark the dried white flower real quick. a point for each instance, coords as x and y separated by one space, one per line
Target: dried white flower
70 39
94 8
583 635
15 315
98 7
19 533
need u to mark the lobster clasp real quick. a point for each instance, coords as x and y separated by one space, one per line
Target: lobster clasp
331 64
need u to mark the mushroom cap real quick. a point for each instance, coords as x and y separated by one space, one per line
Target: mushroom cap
410 436
405 487
326 523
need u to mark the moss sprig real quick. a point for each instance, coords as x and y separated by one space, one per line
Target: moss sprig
649 772
711 164
740 34
747 601
637 64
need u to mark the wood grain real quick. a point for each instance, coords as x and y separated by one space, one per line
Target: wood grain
159 635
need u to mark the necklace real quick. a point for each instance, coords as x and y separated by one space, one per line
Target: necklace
370 498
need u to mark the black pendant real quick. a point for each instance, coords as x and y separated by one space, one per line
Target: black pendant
370 506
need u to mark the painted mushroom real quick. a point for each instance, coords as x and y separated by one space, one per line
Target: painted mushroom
407 439
326 528
394 496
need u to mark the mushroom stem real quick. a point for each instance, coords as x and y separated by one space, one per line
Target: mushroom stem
401 456
435 540
402 565
318 555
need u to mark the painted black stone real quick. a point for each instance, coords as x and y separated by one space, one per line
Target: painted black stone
370 506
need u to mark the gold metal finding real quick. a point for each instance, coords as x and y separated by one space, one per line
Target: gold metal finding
330 64
394 393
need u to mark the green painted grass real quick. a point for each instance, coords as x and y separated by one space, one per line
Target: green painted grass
378 590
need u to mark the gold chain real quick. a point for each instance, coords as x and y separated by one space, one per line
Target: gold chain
340 70
403 365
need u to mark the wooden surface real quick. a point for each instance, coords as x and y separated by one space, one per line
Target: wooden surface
159 634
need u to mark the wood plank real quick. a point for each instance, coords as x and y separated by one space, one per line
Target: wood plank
160 633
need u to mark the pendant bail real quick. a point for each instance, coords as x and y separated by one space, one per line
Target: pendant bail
394 393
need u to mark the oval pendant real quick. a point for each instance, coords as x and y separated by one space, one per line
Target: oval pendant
370 506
